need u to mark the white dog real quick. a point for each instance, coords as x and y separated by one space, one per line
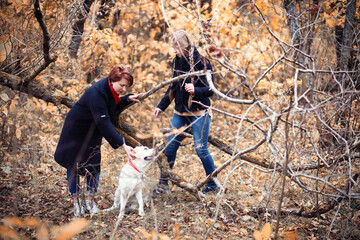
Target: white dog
132 180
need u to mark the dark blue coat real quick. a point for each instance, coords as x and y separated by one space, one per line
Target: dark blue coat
177 89
88 121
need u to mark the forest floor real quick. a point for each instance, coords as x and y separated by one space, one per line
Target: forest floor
41 192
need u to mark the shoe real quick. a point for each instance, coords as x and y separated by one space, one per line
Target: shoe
161 189
91 206
210 190
78 208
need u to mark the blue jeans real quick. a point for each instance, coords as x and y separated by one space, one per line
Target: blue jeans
92 181
200 130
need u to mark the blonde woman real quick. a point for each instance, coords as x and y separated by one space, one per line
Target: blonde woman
188 59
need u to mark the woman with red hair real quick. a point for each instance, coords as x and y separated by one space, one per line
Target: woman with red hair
88 121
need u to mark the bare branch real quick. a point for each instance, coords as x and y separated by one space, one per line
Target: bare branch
46 44
220 94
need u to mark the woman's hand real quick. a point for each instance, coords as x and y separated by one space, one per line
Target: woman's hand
130 152
134 98
189 87
157 112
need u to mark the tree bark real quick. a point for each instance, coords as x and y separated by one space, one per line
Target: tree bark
35 89
290 8
104 12
302 45
78 29
347 41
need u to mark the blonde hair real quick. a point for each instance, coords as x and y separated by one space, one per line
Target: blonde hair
182 39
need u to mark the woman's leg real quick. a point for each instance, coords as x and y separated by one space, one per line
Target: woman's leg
92 181
173 143
200 130
73 183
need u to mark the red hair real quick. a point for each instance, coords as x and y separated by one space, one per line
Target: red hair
119 72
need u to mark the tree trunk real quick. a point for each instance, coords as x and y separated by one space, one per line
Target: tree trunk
78 29
296 37
290 8
104 12
347 42
344 59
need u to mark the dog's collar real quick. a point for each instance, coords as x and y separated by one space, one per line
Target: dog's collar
142 173
131 164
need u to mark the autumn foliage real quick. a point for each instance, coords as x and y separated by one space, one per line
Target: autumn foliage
285 130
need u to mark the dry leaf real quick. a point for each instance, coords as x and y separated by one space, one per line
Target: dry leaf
208 221
18 133
257 235
8 233
4 97
42 233
12 107
71 229
144 233
176 230
266 231
31 222
13 221
264 234
290 235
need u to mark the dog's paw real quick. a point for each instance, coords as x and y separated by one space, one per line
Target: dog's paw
121 217
110 209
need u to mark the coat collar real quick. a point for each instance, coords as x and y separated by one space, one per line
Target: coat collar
183 64
116 97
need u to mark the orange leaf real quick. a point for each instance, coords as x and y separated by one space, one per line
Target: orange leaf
13 221
257 235
266 231
145 233
290 235
176 231
8 233
264 234
71 229
42 233
31 222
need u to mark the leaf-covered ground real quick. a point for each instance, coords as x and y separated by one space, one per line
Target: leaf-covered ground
41 192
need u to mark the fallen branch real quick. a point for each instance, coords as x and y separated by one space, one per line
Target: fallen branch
35 89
